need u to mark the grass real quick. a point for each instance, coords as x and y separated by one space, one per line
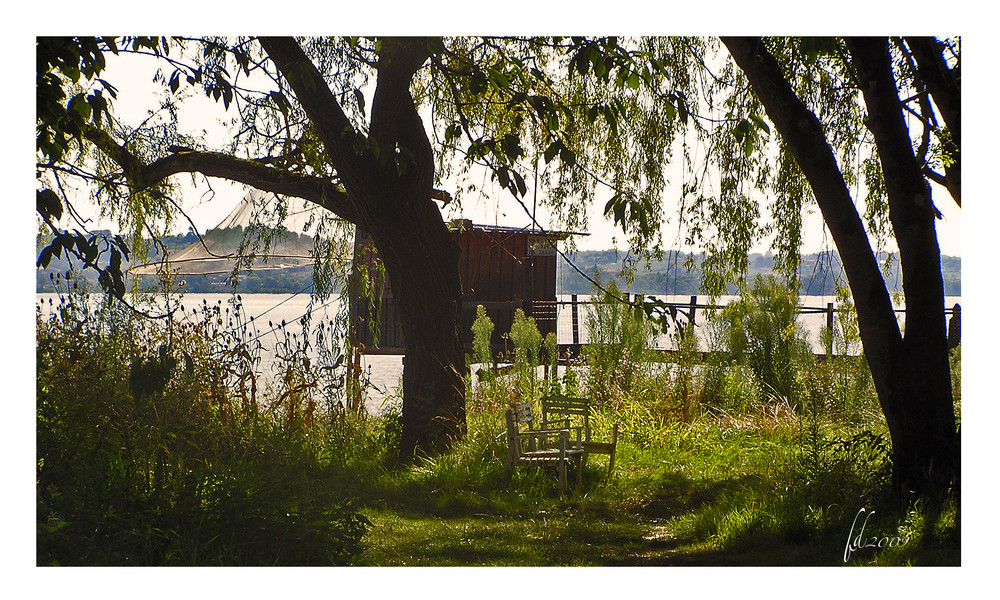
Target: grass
714 492
189 473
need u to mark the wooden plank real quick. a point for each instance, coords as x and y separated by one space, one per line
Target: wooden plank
520 250
470 266
491 267
507 267
465 241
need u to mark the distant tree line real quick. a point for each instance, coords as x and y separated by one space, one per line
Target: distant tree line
819 274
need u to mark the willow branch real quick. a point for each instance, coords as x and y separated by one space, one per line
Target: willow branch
316 98
141 175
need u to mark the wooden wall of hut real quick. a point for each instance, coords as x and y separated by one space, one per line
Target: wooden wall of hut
501 268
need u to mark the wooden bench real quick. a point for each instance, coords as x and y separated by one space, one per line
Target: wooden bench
542 447
564 412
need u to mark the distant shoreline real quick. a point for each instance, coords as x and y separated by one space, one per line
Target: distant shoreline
819 274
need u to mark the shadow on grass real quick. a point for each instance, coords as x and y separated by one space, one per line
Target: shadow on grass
642 517
522 525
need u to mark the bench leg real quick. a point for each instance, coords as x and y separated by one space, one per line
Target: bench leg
562 477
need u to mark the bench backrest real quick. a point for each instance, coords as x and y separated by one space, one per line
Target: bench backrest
517 416
521 414
564 410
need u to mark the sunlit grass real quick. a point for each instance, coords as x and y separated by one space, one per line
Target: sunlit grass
699 479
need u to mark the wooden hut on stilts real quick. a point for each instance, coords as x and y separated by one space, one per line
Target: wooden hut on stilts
501 268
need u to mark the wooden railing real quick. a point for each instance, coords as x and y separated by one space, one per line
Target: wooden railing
690 310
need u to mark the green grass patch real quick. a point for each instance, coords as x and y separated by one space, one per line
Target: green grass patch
189 468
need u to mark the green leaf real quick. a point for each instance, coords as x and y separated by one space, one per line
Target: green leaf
359 97
48 205
552 150
360 143
567 156
511 147
741 129
45 257
502 176
477 82
280 102
600 66
760 123
522 187
499 79
452 131
669 111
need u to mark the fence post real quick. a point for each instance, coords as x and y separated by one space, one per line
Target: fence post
576 319
955 327
829 329
694 307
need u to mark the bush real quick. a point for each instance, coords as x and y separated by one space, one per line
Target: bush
144 459
618 347
527 342
759 331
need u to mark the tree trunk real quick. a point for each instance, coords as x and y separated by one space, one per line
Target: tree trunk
911 376
389 179
421 262
919 410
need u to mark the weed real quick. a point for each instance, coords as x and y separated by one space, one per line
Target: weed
616 356
760 332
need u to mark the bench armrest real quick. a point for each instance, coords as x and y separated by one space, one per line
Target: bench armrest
575 440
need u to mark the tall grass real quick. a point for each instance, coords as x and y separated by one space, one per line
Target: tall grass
616 356
151 450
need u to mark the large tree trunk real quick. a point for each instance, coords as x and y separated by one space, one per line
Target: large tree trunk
911 375
421 262
919 409
389 181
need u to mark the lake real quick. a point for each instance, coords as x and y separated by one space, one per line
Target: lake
386 371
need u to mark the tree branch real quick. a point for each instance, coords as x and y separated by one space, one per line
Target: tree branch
322 192
909 197
316 98
944 85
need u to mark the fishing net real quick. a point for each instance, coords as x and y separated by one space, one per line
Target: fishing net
262 232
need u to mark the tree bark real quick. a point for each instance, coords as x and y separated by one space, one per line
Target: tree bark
325 193
914 390
389 188
920 412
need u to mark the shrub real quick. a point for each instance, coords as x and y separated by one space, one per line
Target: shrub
482 334
617 351
760 332
144 459
527 341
